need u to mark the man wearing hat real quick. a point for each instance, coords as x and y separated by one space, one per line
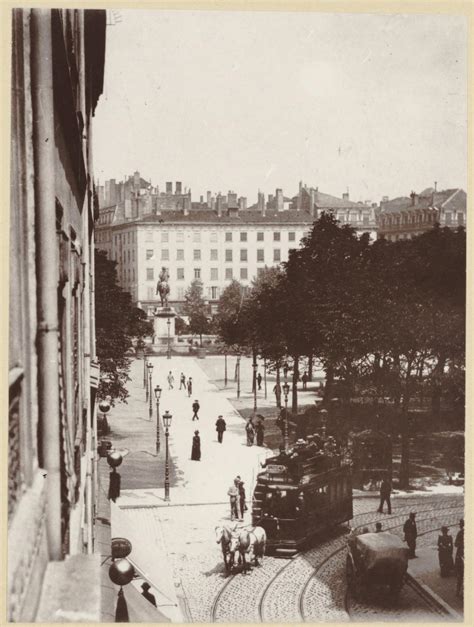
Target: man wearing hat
196 407
411 534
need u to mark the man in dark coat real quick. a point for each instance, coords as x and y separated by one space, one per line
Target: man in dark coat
190 386
182 382
242 503
196 408
260 429
385 491
411 534
196 448
304 379
220 428
259 381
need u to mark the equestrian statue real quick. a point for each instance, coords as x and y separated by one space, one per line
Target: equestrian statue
162 287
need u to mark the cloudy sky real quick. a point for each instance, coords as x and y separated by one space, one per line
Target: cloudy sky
249 100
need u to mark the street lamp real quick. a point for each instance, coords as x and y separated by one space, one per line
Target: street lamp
144 367
254 385
150 405
286 391
157 396
168 355
167 422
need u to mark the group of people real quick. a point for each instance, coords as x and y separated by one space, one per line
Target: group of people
255 429
236 494
186 385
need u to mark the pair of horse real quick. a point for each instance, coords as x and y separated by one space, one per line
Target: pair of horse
248 543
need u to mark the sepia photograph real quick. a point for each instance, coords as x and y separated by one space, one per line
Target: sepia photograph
237 313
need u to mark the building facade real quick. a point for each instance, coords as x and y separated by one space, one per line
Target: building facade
57 78
406 217
215 245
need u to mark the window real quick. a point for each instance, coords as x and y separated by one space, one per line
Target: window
196 236
291 236
180 274
179 254
259 271
214 293
180 236
197 273
213 254
149 274
165 236
276 254
197 254
149 235
260 236
228 237
276 236
243 254
165 254
448 217
228 254
214 274
243 236
228 273
244 273
260 255
213 236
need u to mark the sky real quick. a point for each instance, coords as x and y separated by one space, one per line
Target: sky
222 100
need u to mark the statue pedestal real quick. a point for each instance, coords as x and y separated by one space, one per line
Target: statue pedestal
163 328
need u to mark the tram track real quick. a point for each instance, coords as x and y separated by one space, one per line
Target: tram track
274 579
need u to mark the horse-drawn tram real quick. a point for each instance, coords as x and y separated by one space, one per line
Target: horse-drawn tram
300 493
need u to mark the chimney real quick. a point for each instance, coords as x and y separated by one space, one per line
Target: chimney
384 198
414 199
209 199
242 203
213 203
299 199
201 199
261 203
219 203
436 186
345 196
187 204
136 180
169 187
179 187
279 199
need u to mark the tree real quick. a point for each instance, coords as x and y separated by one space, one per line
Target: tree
232 326
117 323
196 309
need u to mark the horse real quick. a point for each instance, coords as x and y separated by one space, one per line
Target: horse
223 537
163 289
252 541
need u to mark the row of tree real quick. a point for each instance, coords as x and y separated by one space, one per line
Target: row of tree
384 319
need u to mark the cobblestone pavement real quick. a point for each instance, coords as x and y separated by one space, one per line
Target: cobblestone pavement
311 587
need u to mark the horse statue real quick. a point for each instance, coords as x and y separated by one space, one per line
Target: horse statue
224 537
162 287
248 541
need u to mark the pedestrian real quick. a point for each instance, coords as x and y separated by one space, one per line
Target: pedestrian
250 432
196 407
220 428
170 380
385 491
233 494
459 560
196 448
378 527
260 430
445 552
411 534
259 381
148 595
277 392
190 386
242 503
182 382
304 379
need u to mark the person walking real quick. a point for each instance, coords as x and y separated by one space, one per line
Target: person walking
233 494
196 407
260 431
304 380
459 559
259 381
411 534
196 448
445 552
277 392
385 492
220 428
250 431
182 382
242 503
190 386
170 380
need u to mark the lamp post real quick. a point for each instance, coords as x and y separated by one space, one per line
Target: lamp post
254 384
144 368
286 390
157 396
265 376
237 367
149 388
225 369
167 422
168 354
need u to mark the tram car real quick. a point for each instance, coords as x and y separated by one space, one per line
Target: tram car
371 458
300 494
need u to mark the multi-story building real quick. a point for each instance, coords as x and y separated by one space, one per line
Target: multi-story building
214 245
57 77
405 217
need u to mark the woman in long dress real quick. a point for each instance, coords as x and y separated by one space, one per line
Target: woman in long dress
196 448
445 552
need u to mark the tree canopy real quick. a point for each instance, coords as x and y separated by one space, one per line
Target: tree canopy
195 308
